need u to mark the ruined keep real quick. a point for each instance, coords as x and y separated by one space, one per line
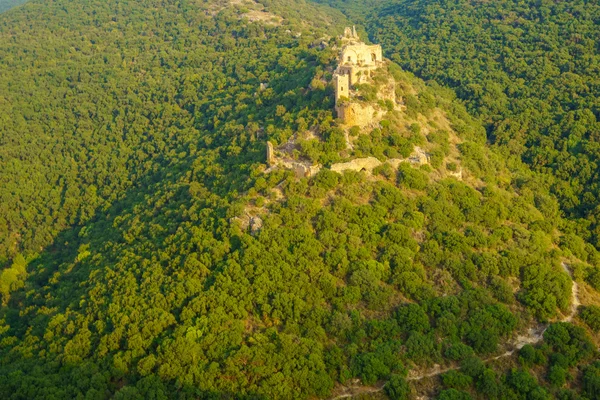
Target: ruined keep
356 63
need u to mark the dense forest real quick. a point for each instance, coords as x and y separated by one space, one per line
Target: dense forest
132 147
530 70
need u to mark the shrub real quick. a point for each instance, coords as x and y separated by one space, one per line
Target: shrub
397 388
456 380
591 316
412 178
458 351
557 376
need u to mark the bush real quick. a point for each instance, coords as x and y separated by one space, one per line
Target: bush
557 376
411 317
415 128
591 381
458 351
591 316
569 340
593 278
422 348
397 388
472 366
384 170
372 368
456 380
367 92
412 178
326 179
521 381
529 356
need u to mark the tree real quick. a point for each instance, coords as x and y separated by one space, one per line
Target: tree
591 316
397 388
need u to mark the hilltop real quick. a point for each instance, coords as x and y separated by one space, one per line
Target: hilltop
223 200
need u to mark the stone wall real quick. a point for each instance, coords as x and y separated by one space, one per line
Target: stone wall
357 114
361 54
358 164
367 164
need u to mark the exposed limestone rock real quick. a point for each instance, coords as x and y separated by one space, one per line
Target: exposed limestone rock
243 221
419 156
395 162
457 174
256 224
247 221
264 17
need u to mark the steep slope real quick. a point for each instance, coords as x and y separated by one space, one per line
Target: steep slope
96 96
529 69
179 265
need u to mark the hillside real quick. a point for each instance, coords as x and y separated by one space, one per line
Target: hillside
528 69
193 206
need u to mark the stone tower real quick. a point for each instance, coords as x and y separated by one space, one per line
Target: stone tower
342 86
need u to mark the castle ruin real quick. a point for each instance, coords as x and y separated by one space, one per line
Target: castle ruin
356 64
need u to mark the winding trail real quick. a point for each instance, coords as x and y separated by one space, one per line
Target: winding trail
534 335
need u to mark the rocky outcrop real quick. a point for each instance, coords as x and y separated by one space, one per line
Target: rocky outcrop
457 174
256 224
419 156
246 221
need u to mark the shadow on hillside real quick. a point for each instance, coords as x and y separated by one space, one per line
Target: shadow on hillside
61 278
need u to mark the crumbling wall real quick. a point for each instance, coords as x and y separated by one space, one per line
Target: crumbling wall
270 154
367 164
361 54
357 114
358 164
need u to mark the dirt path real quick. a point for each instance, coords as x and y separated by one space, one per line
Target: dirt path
534 335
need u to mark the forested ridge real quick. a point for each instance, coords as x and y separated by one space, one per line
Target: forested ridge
133 142
529 69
